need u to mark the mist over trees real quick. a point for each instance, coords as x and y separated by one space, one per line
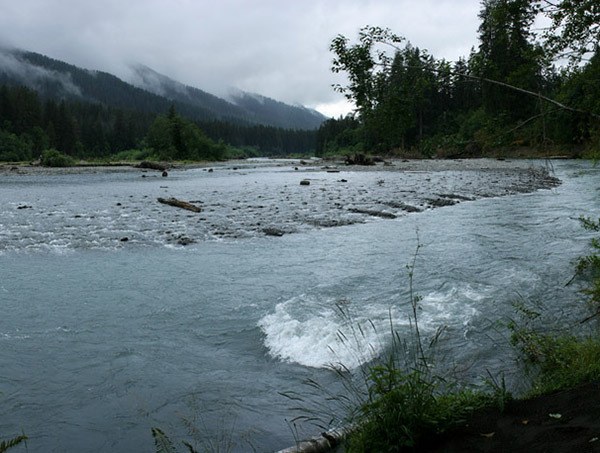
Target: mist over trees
30 124
508 95
49 104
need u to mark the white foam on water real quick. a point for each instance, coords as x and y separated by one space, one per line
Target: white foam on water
518 276
12 336
319 337
315 333
456 306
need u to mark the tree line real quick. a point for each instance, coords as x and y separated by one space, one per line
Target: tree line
509 93
31 123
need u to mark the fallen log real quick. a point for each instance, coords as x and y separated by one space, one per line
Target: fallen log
324 443
179 204
152 165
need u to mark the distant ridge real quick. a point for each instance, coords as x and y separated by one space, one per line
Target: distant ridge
252 108
148 91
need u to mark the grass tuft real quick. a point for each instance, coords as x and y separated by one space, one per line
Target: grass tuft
6 444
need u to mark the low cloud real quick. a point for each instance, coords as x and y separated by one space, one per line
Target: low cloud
278 49
35 77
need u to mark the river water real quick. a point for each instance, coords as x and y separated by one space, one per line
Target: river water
120 314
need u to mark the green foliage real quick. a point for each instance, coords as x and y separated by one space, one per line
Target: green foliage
341 136
94 131
172 137
567 361
162 442
561 361
259 140
5 445
590 264
132 155
13 148
507 54
505 95
405 408
54 158
568 358
365 64
399 98
244 152
575 29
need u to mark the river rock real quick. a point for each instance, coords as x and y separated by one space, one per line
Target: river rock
272 231
184 240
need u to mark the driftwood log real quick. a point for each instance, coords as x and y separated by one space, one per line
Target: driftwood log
180 204
152 165
326 442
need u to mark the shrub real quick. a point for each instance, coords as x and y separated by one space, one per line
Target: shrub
54 158
13 148
407 407
132 155
590 264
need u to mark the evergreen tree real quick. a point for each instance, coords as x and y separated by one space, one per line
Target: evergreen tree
507 54
65 130
173 137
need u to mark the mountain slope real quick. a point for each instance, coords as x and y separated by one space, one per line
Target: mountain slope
55 79
150 92
149 80
271 111
249 107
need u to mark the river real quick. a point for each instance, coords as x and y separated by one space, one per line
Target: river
120 314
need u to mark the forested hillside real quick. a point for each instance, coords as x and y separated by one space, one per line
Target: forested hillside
525 90
49 104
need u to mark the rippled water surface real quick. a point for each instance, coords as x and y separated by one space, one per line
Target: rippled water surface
120 313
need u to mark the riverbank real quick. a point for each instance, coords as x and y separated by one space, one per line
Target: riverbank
564 421
300 164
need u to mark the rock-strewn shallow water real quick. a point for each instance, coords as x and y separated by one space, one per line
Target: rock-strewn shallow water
105 209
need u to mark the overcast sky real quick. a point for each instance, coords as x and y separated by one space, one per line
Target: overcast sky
278 48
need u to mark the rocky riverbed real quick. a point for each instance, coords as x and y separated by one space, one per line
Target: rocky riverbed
241 199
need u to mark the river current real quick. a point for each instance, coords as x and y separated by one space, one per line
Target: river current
120 314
